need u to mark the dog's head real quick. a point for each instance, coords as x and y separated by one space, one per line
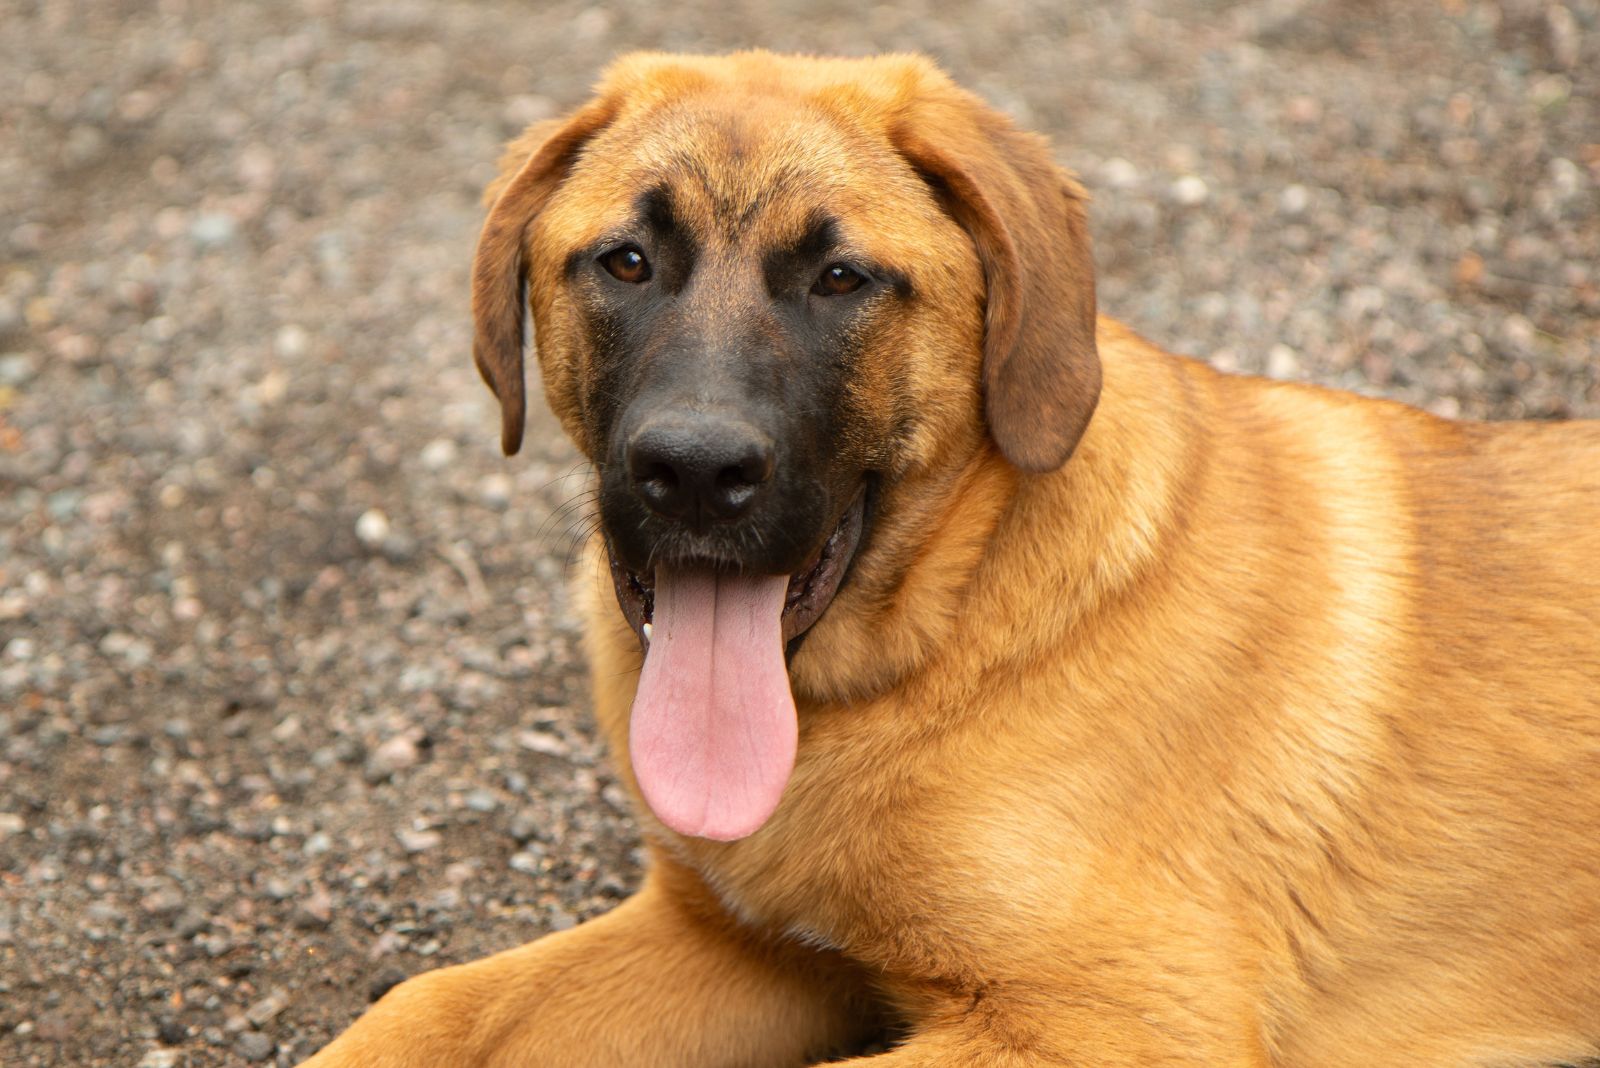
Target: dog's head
767 292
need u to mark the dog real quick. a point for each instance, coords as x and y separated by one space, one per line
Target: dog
989 678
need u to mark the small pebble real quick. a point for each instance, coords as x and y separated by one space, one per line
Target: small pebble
438 454
415 841
1118 173
384 982
212 229
1294 200
254 1046
265 1010
525 826
395 754
315 911
372 528
191 923
536 741
1190 191
160 903
1283 362
16 368
495 490
171 1031
291 341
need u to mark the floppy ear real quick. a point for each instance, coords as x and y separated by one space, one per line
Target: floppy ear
500 268
1025 215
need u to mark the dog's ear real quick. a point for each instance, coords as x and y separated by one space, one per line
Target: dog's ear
1025 215
532 167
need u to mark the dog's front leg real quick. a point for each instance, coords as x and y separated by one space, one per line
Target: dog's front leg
664 980
1048 1031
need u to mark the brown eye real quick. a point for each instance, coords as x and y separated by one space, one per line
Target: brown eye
838 280
627 264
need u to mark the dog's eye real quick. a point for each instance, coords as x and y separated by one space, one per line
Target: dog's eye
838 279
627 264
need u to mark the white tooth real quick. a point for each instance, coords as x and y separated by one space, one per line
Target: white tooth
646 629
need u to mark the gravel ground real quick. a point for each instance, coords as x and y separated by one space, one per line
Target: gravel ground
291 703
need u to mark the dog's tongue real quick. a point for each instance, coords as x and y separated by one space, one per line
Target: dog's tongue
712 736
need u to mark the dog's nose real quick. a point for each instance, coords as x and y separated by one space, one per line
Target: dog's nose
699 470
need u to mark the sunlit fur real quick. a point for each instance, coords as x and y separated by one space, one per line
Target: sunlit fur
1266 731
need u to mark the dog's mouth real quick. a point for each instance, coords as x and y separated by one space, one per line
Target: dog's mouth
713 728
811 588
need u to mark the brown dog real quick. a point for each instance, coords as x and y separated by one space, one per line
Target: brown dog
1243 724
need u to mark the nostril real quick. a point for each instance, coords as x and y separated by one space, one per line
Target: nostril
734 478
663 475
734 491
757 467
735 485
658 485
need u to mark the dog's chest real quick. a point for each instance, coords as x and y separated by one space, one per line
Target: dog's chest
894 877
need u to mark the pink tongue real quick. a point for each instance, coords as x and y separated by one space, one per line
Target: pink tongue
713 731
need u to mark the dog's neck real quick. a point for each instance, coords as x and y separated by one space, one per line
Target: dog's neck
1086 533
1093 531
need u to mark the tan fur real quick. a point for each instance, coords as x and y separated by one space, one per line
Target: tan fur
1266 731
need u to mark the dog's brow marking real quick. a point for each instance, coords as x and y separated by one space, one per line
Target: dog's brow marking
659 211
782 184
822 234
721 205
735 207
655 207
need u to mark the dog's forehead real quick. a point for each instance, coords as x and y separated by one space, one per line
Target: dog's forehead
744 163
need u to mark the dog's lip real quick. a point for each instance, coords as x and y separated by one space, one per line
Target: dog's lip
812 587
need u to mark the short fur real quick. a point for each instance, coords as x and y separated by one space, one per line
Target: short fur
1264 730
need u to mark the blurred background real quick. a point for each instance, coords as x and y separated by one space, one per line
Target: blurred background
291 703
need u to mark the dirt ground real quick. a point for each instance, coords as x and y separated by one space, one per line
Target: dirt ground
291 700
